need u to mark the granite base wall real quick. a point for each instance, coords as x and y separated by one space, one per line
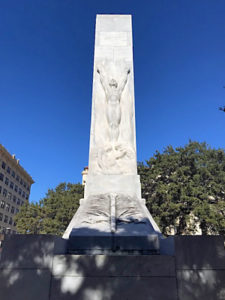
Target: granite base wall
37 267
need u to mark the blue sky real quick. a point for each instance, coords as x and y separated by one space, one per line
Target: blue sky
46 63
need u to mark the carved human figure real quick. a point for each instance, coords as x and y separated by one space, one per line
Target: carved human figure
113 91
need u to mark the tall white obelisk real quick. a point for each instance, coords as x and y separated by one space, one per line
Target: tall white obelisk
112 214
112 157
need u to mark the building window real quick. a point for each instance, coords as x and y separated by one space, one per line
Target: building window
17 210
11 185
28 188
26 197
3 165
6 219
7 181
4 192
1 176
14 198
0 189
22 203
17 178
14 224
21 181
16 188
25 185
12 210
13 174
1 216
23 195
8 170
9 196
10 221
7 207
18 201
20 191
2 204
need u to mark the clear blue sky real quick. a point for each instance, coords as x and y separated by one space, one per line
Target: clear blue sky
46 62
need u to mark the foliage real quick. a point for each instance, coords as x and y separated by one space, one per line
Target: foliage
52 214
184 189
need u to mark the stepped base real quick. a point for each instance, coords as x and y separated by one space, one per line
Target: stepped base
37 267
112 222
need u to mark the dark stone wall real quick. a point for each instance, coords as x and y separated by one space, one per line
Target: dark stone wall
37 267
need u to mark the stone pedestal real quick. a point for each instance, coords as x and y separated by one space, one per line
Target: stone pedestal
38 267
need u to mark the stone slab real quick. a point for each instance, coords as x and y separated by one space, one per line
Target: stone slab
201 284
113 23
137 242
120 184
113 265
199 252
24 284
80 240
113 288
27 251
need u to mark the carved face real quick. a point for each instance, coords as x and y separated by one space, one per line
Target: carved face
113 83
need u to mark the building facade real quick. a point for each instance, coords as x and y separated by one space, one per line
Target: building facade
15 185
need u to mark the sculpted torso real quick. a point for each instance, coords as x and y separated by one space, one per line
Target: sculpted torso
113 94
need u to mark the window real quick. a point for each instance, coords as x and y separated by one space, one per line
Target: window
17 178
1 176
7 181
16 188
18 201
23 195
6 219
10 221
8 170
14 198
12 210
9 196
26 197
0 189
20 191
3 165
11 185
21 181
7 207
4 192
24 184
22 203
1 216
14 224
13 174
2 204
28 188
17 210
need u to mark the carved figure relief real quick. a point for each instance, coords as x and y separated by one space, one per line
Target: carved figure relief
114 152
113 91
99 210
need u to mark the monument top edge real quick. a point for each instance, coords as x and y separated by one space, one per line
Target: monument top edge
113 23
113 16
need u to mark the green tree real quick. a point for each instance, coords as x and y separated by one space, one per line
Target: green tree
52 214
184 189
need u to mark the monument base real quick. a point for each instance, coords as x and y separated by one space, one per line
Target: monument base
113 222
38 267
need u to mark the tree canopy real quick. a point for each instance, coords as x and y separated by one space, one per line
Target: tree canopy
184 189
52 214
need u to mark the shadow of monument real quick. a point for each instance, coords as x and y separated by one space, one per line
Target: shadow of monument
39 267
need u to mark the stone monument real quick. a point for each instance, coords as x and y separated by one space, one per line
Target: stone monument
112 215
